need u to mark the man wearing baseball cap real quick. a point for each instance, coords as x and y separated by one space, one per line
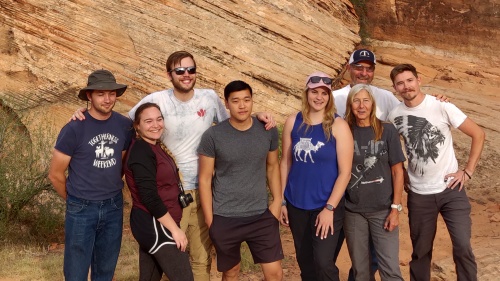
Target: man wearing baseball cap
92 152
361 69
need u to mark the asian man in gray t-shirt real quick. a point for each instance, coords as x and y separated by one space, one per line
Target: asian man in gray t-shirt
237 156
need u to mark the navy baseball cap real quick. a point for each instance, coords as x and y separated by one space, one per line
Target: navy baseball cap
362 55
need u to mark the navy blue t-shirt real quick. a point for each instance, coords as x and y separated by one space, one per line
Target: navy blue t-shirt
95 147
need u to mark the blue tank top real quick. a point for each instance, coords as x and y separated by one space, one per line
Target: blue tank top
314 167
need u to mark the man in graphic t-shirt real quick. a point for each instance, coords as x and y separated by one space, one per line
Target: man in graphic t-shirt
436 180
92 151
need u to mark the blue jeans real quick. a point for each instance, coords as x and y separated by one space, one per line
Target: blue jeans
93 238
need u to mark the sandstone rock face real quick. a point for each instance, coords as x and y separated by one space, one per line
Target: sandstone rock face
461 28
48 47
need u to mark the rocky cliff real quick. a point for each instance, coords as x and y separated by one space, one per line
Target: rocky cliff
48 47
464 30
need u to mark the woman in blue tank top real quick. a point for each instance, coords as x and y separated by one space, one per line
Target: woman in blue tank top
315 170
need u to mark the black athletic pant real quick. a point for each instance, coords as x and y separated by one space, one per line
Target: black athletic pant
166 260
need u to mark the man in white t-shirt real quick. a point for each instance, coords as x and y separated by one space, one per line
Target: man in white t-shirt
361 69
436 183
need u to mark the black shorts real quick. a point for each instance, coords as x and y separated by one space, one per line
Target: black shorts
260 232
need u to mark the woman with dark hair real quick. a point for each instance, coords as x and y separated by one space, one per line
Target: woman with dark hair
154 183
373 196
315 169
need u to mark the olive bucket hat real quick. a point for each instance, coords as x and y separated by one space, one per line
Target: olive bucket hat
102 80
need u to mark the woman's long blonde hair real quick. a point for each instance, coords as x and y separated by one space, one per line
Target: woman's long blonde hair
328 116
375 123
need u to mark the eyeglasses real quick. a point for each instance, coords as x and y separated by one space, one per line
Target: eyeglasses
359 67
182 70
316 79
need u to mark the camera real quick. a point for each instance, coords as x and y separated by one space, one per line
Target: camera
184 199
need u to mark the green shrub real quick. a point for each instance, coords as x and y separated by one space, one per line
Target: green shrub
361 11
27 200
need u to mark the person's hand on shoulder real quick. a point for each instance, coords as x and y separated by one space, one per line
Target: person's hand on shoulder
267 118
441 97
78 114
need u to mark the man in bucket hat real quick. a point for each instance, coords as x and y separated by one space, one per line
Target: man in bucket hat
92 152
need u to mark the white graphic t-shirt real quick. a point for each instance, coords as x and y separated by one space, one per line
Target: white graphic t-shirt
426 130
185 123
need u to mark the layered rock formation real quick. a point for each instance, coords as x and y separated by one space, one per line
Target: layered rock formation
464 30
48 47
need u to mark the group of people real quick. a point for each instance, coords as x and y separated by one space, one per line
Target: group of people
195 184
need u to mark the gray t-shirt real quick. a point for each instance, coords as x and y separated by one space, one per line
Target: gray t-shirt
239 182
374 191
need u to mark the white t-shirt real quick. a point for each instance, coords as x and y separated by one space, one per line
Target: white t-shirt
385 100
185 123
426 130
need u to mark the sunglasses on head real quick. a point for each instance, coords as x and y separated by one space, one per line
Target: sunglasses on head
316 79
182 70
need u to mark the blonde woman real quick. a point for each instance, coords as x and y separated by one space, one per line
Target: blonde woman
315 169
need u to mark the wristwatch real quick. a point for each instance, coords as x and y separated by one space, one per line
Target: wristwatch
398 207
329 207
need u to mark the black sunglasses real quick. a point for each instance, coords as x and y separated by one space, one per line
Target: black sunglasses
182 70
316 79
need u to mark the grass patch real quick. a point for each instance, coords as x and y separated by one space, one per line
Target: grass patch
35 262
30 263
